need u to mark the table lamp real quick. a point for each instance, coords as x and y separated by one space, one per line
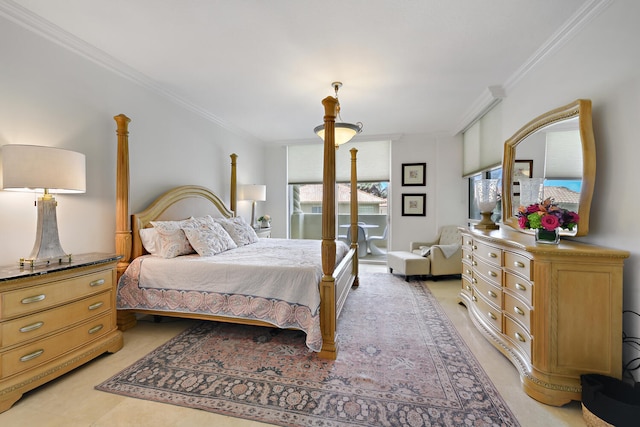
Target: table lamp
254 193
49 170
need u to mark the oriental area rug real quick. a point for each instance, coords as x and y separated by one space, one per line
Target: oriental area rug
400 363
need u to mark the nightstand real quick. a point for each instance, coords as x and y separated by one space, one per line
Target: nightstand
54 318
263 232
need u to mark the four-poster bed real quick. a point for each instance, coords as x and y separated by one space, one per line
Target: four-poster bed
336 274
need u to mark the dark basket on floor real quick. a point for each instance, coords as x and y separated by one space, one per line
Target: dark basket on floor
609 402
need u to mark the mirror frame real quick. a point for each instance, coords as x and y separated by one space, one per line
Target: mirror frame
581 108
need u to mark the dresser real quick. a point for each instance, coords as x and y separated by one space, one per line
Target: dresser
555 311
53 319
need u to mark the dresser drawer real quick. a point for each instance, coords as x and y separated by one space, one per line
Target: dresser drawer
488 312
37 298
519 286
517 310
39 324
491 272
31 355
467 255
518 335
490 254
518 264
467 288
488 290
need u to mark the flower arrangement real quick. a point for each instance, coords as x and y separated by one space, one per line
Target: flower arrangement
265 218
546 215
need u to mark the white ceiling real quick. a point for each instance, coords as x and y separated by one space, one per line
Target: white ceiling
262 67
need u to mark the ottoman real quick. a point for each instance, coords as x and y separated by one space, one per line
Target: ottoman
408 264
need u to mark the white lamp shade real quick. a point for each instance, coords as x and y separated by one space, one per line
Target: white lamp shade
343 132
254 192
36 168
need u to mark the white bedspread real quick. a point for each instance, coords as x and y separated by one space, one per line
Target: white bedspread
273 280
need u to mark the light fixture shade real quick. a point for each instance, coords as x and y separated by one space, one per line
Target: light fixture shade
343 132
254 192
36 168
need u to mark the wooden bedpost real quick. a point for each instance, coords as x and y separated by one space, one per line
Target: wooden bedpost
234 185
354 212
123 226
328 315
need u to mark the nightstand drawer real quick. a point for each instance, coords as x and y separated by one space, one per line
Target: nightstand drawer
30 355
37 298
39 324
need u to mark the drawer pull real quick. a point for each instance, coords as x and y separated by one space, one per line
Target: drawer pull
491 315
520 337
468 242
474 263
474 247
493 273
31 356
519 264
492 294
468 271
467 287
468 256
518 310
493 255
32 327
474 280
95 329
521 287
98 282
96 305
35 298
474 298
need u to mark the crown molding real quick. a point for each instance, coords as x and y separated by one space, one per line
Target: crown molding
486 101
51 32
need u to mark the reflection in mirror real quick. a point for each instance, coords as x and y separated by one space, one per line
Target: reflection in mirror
559 147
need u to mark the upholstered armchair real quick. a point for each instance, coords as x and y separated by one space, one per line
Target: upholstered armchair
442 257
445 253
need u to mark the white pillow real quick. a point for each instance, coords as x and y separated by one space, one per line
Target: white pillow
150 240
172 240
209 239
241 232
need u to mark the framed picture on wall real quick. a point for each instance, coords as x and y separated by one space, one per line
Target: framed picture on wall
521 169
414 174
414 204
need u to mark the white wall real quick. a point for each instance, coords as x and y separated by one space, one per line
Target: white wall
51 96
445 189
600 63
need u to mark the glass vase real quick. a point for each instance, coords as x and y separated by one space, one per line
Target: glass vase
549 237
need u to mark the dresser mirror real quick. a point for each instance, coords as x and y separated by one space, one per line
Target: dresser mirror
558 146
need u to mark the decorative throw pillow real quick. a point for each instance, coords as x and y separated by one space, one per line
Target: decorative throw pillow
150 240
241 232
172 240
209 239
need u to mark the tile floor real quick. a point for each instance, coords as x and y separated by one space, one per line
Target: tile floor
71 400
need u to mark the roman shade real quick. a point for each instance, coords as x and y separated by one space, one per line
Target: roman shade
305 162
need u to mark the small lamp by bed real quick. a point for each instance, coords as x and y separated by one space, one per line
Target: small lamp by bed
253 193
49 170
